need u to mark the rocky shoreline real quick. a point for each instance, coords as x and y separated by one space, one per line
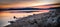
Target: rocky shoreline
50 19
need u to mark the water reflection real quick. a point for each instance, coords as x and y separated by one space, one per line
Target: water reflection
6 16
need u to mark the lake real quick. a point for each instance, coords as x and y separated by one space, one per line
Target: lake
6 16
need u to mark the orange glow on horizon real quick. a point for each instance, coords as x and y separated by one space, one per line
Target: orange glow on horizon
21 14
26 4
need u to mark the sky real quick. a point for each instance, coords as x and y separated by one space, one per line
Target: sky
25 3
6 16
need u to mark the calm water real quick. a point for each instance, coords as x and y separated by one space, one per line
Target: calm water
6 16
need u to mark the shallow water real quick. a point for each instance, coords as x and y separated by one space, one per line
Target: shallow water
6 16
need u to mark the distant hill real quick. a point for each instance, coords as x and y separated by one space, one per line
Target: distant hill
1 9
28 8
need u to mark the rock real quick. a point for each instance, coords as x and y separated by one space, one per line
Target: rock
50 19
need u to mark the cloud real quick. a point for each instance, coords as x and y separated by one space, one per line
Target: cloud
14 1
24 3
20 1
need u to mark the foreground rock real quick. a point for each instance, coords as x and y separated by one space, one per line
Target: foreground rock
50 19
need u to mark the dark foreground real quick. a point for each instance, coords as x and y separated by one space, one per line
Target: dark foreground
50 19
